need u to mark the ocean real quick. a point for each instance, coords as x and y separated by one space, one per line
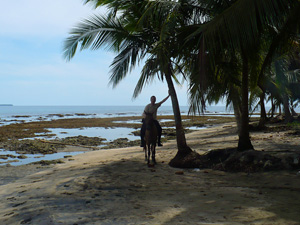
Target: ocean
21 114
15 114
98 111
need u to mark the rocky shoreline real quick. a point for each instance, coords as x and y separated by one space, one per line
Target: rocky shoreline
33 137
33 144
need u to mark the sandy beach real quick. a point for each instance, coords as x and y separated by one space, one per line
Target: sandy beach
117 187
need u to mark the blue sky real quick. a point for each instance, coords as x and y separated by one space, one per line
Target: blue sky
34 72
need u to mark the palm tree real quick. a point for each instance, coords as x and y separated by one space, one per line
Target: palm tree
283 85
281 39
238 26
137 30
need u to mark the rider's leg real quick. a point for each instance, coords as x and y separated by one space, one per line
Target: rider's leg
159 131
142 134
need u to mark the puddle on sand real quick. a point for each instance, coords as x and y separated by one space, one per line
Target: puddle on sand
109 134
30 158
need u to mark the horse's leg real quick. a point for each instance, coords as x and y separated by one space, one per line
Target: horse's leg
145 150
153 153
149 150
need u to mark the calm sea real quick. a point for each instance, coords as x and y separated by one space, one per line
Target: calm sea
15 114
99 111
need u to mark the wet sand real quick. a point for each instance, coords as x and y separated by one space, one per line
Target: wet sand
117 187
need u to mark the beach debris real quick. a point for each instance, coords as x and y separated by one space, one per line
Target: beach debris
18 204
8 214
296 160
179 172
26 221
248 161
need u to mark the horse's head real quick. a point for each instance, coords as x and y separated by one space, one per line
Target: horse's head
148 120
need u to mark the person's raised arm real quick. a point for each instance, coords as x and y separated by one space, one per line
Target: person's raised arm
165 99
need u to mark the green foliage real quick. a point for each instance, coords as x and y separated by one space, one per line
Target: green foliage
294 125
223 49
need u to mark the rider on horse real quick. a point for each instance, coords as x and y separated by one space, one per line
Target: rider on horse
152 108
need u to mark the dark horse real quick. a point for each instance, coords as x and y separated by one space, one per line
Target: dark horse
150 137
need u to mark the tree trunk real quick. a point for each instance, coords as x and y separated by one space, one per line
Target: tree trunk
237 115
263 114
279 110
244 137
272 108
180 135
183 148
287 112
293 111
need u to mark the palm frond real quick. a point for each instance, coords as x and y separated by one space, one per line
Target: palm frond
282 37
239 24
196 99
126 60
96 32
149 71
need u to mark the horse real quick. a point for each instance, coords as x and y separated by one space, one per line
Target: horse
150 138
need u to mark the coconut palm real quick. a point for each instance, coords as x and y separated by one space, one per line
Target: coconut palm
283 85
139 30
238 26
136 30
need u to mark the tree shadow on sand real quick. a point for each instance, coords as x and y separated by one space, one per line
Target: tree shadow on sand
129 192
232 160
283 156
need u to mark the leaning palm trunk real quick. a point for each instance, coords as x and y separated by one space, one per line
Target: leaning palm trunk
287 112
238 116
244 137
183 148
263 114
293 112
272 107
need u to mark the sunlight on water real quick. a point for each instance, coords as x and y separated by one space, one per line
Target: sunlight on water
109 134
31 157
129 121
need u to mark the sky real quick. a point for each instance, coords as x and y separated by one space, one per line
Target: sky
34 72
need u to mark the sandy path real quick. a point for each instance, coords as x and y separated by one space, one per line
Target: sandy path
116 187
